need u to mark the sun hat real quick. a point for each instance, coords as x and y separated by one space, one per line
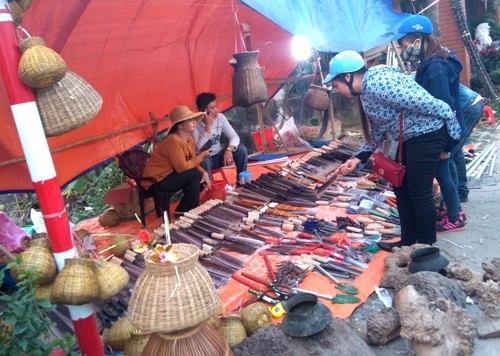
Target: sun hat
182 113
413 24
344 62
427 259
305 316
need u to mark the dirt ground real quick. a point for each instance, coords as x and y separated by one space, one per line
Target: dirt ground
479 242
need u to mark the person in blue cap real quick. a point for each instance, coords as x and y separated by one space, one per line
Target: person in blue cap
438 71
428 124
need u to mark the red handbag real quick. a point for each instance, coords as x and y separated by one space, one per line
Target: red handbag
390 170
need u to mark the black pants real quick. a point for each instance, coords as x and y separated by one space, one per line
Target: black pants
416 209
189 182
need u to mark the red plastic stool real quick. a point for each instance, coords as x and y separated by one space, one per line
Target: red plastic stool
489 116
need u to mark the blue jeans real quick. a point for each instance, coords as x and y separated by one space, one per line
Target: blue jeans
472 116
417 213
240 157
449 190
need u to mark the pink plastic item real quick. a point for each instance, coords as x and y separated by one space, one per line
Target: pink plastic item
489 116
12 237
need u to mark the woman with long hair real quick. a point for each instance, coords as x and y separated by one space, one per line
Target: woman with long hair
438 72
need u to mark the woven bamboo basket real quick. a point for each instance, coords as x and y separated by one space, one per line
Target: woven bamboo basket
39 257
255 316
317 98
40 66
109 218
67 105
110 277
43 292
120 245
135 345
75 284
157 305
249 85
119 334
232 330
201 340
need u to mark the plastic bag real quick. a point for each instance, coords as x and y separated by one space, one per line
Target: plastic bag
291 136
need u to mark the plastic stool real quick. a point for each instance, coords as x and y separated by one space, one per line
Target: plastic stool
489 116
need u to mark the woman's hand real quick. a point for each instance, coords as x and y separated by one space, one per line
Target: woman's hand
349 166
444 155
205 179
228 158
205 154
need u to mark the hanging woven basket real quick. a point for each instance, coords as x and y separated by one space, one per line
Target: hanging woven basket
119 334
317 98
40 66
111 278
37 256
67 105
173 296
249 85
135 345
75 284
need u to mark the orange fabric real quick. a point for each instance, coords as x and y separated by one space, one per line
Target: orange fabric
234 294
142 57
173 154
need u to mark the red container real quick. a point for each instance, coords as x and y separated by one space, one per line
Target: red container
269 136
217 191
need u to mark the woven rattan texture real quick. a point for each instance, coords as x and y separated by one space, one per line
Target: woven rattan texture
67 105
249 85
154 307
39 257
204 341
110 277
75 284
317 98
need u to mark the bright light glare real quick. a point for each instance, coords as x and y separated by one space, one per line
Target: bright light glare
301 48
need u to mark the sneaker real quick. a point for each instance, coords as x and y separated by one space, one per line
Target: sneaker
443 214
446 225
464 199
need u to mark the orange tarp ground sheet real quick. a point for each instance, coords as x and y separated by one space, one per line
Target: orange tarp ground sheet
234 294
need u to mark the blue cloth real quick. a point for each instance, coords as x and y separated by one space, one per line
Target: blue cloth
334 25
240 157
441 78
386 91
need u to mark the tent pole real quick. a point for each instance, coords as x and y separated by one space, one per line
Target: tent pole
43 175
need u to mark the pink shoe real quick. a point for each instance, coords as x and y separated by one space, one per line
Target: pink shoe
445 225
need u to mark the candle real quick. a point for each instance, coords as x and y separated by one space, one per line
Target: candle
167 227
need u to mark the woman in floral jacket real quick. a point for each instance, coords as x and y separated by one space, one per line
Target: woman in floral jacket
428 124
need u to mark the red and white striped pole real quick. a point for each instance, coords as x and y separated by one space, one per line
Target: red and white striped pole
43 175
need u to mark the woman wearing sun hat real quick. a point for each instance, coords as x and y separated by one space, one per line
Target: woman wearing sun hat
174 163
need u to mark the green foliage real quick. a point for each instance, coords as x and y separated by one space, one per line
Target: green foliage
495 76
88 200
24 322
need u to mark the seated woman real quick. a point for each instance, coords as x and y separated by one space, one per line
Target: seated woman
174 163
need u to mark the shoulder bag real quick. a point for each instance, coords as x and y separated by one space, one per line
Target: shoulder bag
390 170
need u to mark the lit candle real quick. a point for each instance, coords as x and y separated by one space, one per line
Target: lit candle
167 227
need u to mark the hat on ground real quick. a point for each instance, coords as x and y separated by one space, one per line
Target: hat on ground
182 113
427 259
305 316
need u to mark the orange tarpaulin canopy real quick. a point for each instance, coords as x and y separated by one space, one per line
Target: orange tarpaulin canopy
142 57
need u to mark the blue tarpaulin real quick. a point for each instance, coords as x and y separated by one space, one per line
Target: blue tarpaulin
334 25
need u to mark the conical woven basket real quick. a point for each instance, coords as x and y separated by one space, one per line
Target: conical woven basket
110 277
40 66
155 306
75 284
201 340
67 105
39 257
317 98
249 85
